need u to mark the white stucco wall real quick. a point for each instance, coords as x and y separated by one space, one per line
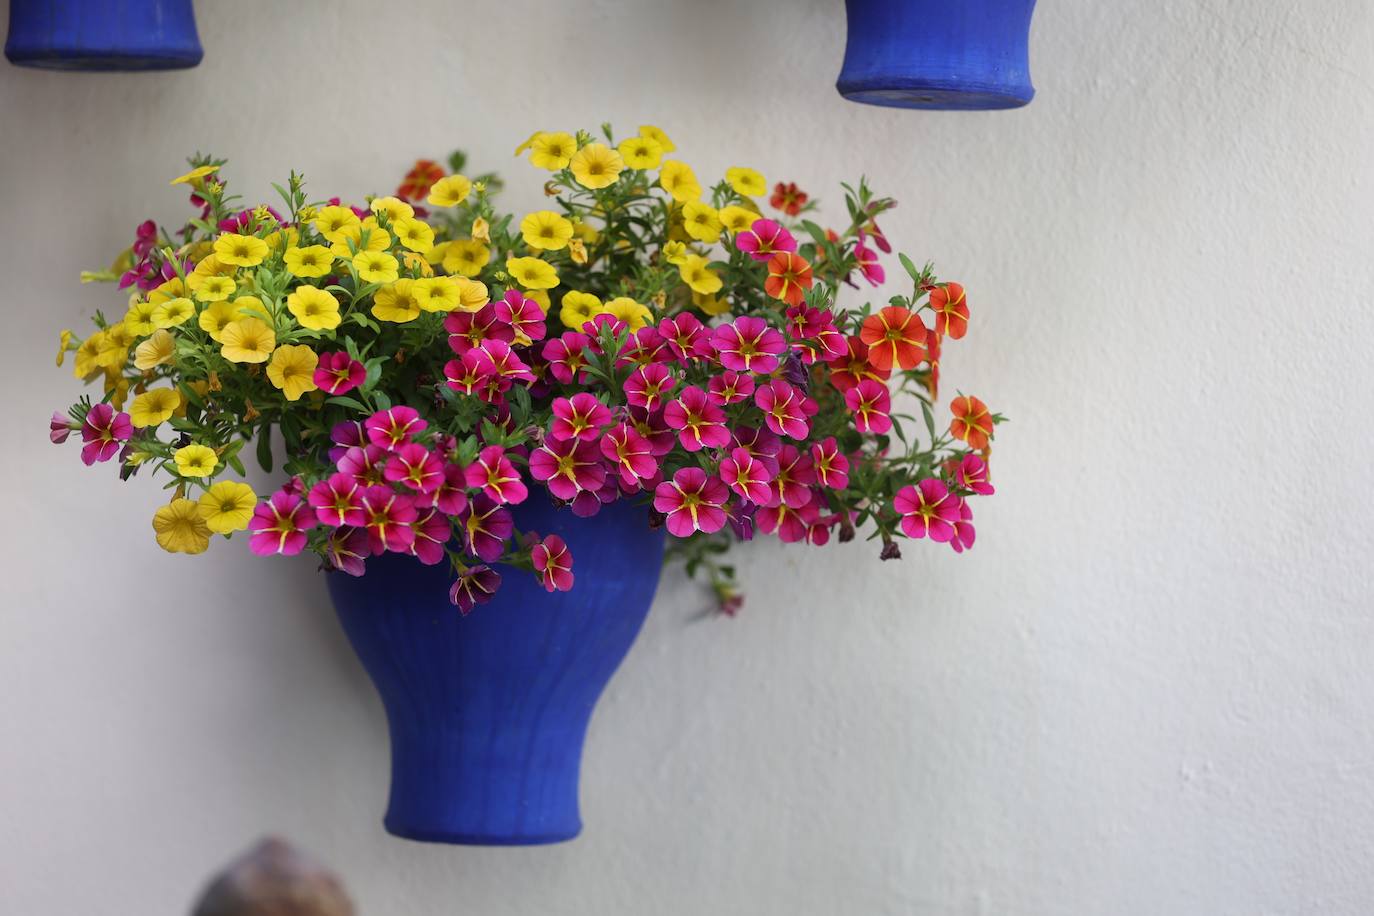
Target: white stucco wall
1149 689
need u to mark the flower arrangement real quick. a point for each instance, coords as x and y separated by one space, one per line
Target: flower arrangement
425 359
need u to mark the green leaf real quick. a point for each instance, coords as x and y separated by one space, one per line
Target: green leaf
929 418
909 267
265 448
343 401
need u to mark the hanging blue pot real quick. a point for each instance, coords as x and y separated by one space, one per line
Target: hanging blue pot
944 54
103 34
487 712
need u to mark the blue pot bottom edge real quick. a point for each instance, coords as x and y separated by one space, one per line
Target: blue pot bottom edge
479 839
934 95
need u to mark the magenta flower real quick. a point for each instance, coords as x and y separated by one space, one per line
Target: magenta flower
487 526
339 373
649 386
432 532
869 401
764 239
643 347
345 435
730 387
792 482
972 474
686 337
650 425
103 432
474 587
347 550
59 428
831 468
762 443
387 515
868 262
495 475
450 496
964 535
785 409
580 417
394 427
791 525
630 453
365 464
567 466
692 501
700 424
927 509
807 323
565 355
748 344
416 467
505 362
746 476
279 524
470 372
338 501
589 502
553 561
523 315
471 329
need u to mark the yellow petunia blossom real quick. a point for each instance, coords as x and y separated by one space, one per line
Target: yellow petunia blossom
701 221
173 312
698 276
116 388
466 257
641 152
199 171
472 295
247 340
393 207
227 506
209 266
154 351
737 219
414 234
417 262
711 305
481 231
746 182
396 302
314 308
532 273
153 407
64 343
578 309
180 528
449 191
596 165
240 250
674 252
216 316
139 319
86 354
169 290
577 251
529 141
546 230
634 314
658 136
195 460
552 151
251 307
216 289
333 223
309 262
376 266
539 297
437 294
114 346
678 179
365 236
292 369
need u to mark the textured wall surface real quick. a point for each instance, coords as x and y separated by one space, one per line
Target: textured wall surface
1147 690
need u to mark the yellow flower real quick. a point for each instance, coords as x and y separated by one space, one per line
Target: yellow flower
634 314
413 233
64 343
578 309
546 230
251 307
529 141
169 290
449 191
314 308
481 231
154 351
658 136
674 252
152 407
393 207
195 460
698 276
216 317
210 266
417 262
227 506
737 219
711 305
532 273
173 312
396 302
466 257
577 251
334 222
472 294
240 250
214 289
86 354
283 239
377 239
247 340
116 388
437 294
553 151
540 297
310 261
596 165
641 152
292 369
678 179
138 320
701 221
198 172
746 182
376 266
180 528
114 346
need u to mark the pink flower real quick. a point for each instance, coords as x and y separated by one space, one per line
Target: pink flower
523 315
470 329
763 444
394 427
643 347
650 425
59 428
748 344
495 475
565 355
416 467
927 509
339 373
792 481
450 496
347 550
344 436
553 561
365 464
474 587
972 474
687 338
764 239
505 362
700 423
387 515
470 372
648 386
487 526
279 525
869 401
337 501
568 466
432 532
580 417
730 387
791 525
785 409
964 534
630 453
103 432
808 323
692 501
747 476
868 262
830 467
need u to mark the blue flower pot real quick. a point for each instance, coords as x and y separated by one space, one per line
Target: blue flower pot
943 54
103 34
488 712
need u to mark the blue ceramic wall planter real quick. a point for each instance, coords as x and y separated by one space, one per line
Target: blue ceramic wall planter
103 34
941 54
488 712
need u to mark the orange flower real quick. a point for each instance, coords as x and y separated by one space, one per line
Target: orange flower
972 422
951 310
419 179
789 277
895 336
933 341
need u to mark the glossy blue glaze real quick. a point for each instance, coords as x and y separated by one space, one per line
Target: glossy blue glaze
487 712
942 54
103 34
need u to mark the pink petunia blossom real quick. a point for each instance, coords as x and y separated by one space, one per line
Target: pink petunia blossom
791 485
692 501
387 516
792 525
686 337
650 425
487 526
495 475
730 387
523 315
748 344
785 409
338 373
746 476
566 355
394 427
829 465
972 474
432 532
764 239
415 467
649 386
580 417
964 535
643 347
568 466
366 464
104 431
760 442
475 586
700 424
338 501
927 509
629 452
470 372
553 561
450 496
870 401
347 550
279 524
471 329
868 262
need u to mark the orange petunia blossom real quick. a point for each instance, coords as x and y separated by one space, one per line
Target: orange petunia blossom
895 336
419 180
789 277
951 310
972 423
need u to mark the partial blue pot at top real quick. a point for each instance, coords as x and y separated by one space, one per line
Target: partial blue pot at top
103 34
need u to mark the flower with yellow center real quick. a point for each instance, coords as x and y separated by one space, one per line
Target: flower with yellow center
658 136
365 236
641 152
210 266
701 221
746 182
546 230
472 295
737 219
292 369
696 274
413 233
216 317
173 312
314 308
215 289
674 252
247 340
529 141
180 528
240 250
396 302
678 179
115 342
334 221
195 174
578 309
169 290
195 460
154 351
139 319
596 165
228 506
393 207
310 261
532 273
466 257
634 314
376 266
449 191
437 294
86 354
153 407
552 151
